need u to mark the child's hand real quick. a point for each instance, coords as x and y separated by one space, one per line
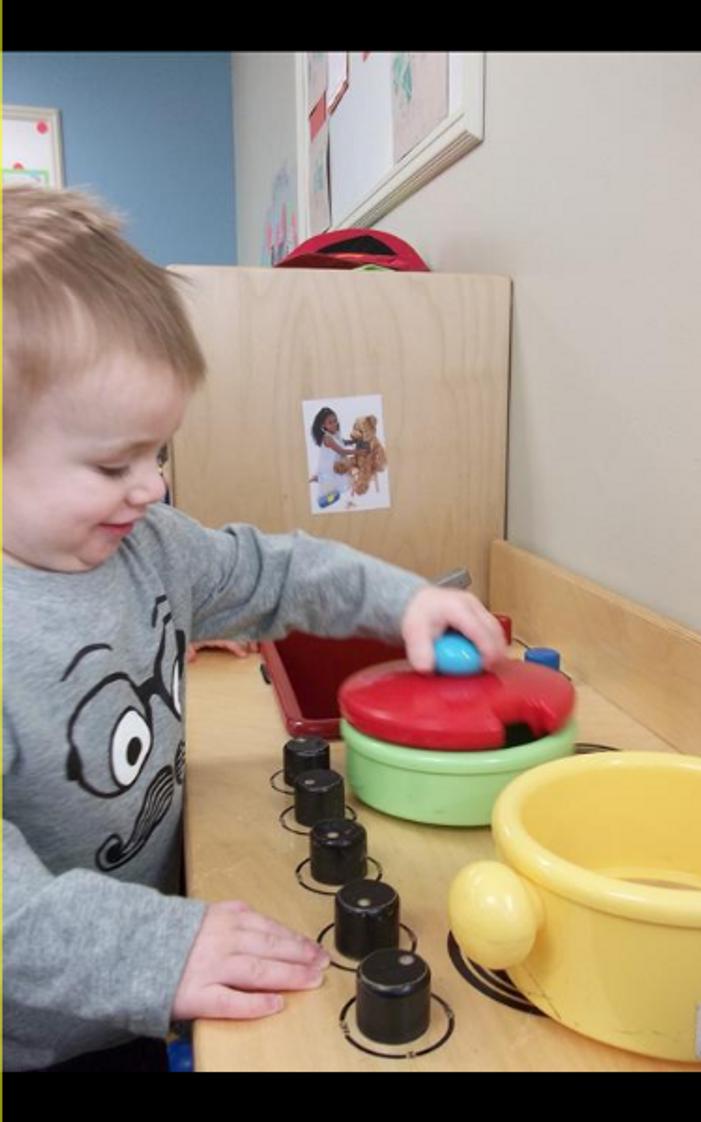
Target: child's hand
241 650
433 610
240 964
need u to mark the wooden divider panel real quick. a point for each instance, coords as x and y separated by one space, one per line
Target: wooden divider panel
644 662
435 346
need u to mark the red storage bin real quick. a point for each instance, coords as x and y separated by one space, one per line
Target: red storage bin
307 671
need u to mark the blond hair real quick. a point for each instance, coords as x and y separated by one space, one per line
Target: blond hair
75 292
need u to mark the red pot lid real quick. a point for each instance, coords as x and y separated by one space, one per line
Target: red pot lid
396 704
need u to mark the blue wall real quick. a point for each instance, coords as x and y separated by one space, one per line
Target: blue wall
151 133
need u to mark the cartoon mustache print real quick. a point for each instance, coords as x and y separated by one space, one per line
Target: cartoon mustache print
114 851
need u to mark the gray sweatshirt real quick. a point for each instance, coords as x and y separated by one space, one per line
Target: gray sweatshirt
95 939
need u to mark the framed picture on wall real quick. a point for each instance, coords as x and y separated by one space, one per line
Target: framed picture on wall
404 117
32 151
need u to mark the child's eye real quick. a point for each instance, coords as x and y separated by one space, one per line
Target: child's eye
113 472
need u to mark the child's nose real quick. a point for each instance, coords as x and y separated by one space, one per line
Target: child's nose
147 487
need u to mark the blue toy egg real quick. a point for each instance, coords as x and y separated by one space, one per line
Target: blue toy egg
456 655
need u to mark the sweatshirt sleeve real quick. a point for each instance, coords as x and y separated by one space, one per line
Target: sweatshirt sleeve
52 927
90 957
264 585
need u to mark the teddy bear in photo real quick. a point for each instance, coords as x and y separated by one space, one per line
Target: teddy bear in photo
367 459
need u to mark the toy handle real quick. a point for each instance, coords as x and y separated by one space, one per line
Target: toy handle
494 914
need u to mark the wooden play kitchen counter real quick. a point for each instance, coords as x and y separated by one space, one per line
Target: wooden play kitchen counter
236 847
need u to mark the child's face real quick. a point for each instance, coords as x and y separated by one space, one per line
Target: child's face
82 469
331 423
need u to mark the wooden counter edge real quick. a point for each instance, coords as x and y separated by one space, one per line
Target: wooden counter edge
647 664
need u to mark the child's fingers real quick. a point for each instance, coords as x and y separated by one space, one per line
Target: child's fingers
222 1003
240 649
237 948
252 973
264 927
433 610
480 626
419 646
231 645
279 948
252 932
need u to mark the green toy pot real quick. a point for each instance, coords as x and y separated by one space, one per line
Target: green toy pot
442 788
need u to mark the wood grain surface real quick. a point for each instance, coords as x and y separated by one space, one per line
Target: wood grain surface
434 346
236 848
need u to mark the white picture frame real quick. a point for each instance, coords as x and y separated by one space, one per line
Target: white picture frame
32 149
456 135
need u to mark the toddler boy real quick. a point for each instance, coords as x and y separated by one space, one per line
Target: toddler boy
104 587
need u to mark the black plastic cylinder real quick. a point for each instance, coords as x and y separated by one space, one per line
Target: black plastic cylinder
338 851
393 996
366 918
319 794
304 753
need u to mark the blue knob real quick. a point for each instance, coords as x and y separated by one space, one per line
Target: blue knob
456 655
545 656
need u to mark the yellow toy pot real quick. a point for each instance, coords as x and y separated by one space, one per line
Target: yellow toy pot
595 910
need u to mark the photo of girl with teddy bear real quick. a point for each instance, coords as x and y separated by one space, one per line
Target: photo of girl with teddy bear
347 468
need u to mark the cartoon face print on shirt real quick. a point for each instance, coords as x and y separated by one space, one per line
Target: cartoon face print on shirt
112 734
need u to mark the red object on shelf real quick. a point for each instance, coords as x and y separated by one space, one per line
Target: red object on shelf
307 671
351 248
396 704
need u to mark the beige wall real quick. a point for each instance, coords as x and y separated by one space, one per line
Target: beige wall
265 140
587 192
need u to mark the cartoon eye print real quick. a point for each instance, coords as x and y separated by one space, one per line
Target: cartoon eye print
168 690
130 745
109 768
109 763
175 685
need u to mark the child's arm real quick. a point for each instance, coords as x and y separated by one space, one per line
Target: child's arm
240 581
86 955
264 586
337 446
